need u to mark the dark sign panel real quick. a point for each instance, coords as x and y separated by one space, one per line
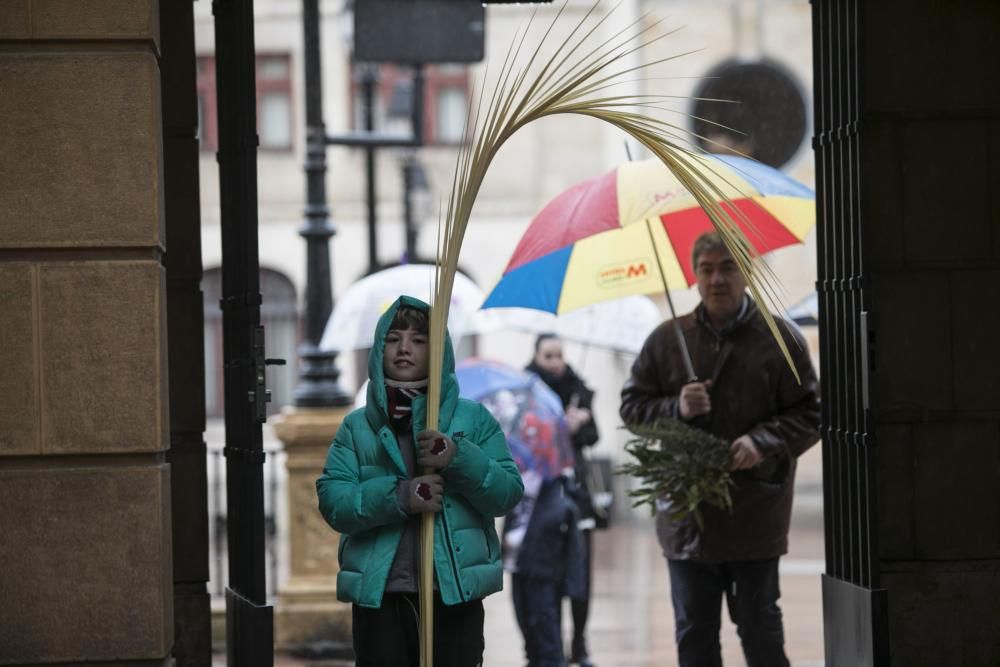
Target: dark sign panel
418 31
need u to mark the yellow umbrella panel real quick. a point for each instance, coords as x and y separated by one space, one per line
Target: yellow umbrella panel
616 264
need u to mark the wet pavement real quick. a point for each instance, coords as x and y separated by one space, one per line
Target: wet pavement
631 622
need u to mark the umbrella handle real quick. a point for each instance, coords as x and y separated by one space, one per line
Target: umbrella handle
685 353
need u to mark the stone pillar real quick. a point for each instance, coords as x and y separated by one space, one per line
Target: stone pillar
85 510
307 610
931 208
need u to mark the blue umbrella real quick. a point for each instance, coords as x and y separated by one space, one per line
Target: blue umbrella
530 414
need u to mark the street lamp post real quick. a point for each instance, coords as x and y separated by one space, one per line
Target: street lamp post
366 74
308 616
414 183
318 385
318 374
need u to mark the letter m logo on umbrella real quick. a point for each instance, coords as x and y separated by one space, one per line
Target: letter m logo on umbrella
636 270
615 275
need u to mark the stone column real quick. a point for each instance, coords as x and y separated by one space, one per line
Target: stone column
307 610
85 504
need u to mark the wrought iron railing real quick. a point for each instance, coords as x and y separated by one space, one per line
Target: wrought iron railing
275 482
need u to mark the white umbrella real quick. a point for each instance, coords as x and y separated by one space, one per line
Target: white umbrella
352 324
805 311
622 324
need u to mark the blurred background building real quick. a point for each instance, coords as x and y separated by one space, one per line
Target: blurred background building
758 52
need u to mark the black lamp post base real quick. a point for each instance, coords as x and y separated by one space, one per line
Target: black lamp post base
321 395
318 386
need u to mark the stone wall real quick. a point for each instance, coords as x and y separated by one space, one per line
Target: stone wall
930 129
85 504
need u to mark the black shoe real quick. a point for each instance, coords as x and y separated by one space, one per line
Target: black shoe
579 656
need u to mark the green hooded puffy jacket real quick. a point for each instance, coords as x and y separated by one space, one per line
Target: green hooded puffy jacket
357 490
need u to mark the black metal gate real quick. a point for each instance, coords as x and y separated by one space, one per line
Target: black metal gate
854 608
249 620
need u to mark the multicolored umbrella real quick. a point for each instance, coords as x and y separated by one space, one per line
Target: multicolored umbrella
530 414
585 246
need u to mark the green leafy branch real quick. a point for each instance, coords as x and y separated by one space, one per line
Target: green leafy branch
680 464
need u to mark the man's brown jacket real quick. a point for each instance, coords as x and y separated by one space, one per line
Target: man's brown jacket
753 392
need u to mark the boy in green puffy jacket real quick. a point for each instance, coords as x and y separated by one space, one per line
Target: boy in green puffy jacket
374 488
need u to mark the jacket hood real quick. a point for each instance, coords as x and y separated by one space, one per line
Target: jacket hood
376 409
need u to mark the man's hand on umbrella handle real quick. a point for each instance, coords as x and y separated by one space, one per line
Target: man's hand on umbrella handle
695 399
435 450
743 453
423 494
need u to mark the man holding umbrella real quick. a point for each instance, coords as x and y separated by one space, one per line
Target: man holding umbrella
743 391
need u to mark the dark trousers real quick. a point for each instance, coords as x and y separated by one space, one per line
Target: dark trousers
538 608
580 609
751 592
390 635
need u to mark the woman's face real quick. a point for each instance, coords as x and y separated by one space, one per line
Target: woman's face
406 357
550 357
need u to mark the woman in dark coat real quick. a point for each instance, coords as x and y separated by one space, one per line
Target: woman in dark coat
576 398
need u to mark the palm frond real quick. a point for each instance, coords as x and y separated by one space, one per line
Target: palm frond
574 80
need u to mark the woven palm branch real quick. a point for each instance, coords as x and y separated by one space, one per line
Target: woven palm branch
579 77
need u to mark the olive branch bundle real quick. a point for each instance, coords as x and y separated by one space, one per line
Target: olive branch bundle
680 464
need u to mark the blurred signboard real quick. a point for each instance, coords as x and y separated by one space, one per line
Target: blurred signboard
418 31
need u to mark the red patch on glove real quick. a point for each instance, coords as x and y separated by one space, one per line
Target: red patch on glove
423 491
439 447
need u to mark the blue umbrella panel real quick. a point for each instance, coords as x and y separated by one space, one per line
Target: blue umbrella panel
530 414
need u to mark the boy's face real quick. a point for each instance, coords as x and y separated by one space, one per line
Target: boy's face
406 356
